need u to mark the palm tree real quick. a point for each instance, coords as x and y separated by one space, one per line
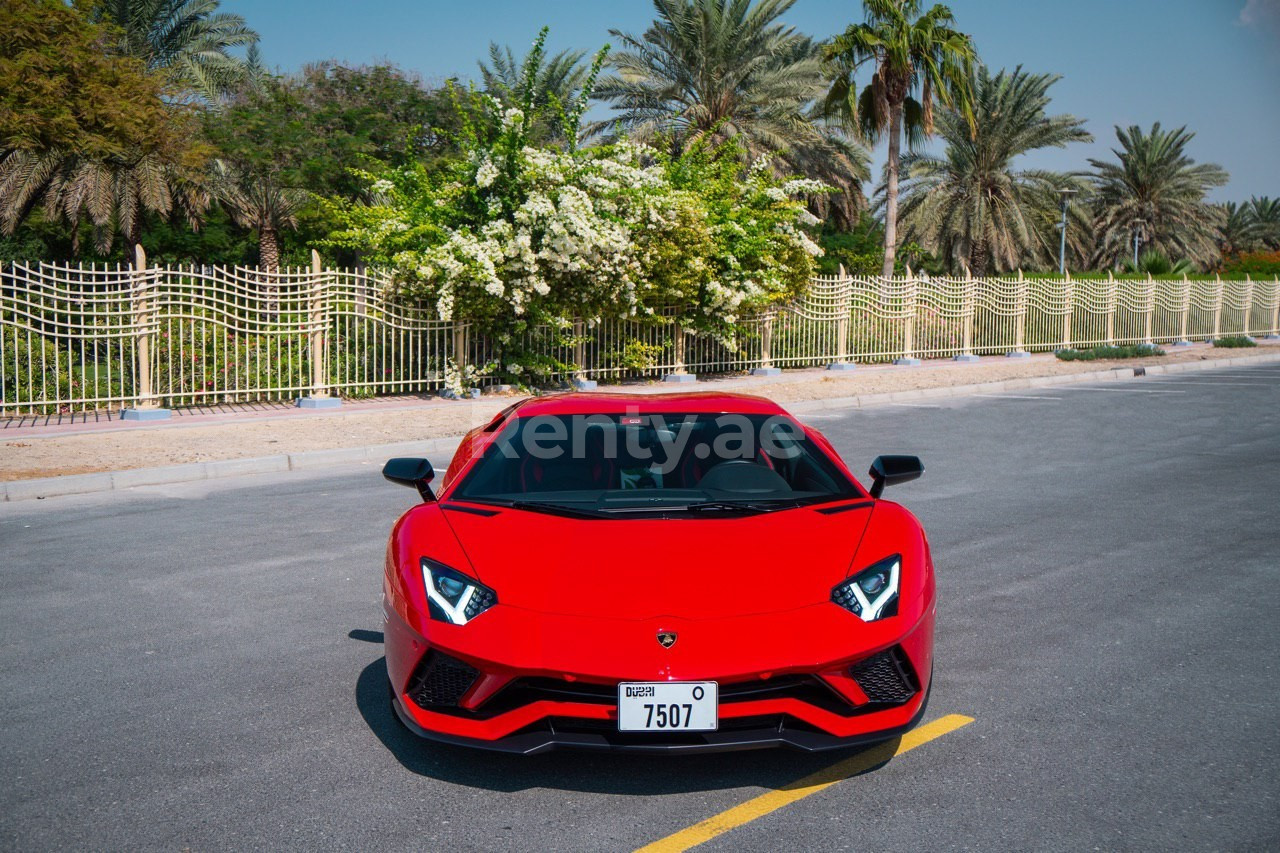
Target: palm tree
190 38
110 194
1157 192
1265 214
910 52
1238 231
557 82
710 71
122 147
259 202
972 205
1155 262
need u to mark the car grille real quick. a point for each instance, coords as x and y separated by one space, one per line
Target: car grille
806 688
887 678
440 681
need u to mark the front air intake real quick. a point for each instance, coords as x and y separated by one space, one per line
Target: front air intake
887 678
440 681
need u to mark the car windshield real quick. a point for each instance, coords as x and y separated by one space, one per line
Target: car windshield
640 465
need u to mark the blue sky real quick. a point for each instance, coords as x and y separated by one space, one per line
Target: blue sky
1213 65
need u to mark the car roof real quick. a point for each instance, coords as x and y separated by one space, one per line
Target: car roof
607 404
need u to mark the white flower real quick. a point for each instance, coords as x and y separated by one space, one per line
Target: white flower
512 117
486 174
808 245
382 185
802 186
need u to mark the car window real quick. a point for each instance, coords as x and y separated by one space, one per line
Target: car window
633 463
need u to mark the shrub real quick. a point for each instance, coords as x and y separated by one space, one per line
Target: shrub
1097 353
1253 263
32 368
1235 342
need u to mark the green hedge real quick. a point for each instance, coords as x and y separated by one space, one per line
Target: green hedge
1098 353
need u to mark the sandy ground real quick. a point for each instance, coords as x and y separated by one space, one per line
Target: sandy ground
113 446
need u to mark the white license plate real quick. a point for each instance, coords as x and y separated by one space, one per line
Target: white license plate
668 706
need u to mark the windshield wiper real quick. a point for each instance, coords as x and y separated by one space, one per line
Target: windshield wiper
748 506
553 509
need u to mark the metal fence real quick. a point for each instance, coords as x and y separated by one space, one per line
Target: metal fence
100 337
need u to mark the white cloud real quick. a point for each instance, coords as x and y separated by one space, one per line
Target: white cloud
1264 14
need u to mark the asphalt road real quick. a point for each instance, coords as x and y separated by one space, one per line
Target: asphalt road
199 665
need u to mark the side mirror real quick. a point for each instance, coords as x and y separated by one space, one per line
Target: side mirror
891 470
411 472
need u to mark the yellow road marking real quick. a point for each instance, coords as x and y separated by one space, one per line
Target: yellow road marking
762 805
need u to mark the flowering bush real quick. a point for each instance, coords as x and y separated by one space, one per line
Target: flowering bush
514 236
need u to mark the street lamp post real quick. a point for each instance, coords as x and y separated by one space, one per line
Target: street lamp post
1062 244
1137 231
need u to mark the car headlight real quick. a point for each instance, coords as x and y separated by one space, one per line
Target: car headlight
452 596
872 593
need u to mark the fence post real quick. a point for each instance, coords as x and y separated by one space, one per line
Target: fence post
766 367
1150 306
678 373
318 340
1275 308
147 408
909 307
844 306
968 307
1020 320
1217 307
1245 328
1069 293
580 380
460 346
1186 312
842 323
766 340
1113 301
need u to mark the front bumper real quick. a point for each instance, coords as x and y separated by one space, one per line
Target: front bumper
806 687
755 733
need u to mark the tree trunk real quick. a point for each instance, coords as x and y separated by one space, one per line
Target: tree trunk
268 249
269 261
978 253
891 191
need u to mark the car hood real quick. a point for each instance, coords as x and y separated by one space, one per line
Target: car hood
690 568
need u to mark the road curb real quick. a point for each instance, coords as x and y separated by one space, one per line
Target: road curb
75 484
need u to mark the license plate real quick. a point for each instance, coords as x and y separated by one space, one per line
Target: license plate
668 706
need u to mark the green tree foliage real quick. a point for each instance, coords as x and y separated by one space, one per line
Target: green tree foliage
87 132
287 142
708 71
1158 192
915 59
512 237
190 39
972 205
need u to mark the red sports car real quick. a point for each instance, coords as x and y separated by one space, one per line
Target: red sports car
657 573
